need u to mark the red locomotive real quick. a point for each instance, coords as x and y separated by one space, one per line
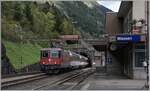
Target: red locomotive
53 60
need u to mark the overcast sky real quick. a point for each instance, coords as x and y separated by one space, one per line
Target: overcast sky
113 5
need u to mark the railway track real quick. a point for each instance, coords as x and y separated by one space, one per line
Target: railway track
20 74
77 76
79 79
47 82
10 81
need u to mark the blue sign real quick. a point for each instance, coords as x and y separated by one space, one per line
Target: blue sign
109 61
128 38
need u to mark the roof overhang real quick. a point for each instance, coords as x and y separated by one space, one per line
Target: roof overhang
124 8
70 37
51 49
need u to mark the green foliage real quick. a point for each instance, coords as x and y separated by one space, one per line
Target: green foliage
66 27
45 19
28 12
18 8
7 10
41 20
8 30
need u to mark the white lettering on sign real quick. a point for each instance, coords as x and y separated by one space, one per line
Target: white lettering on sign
124 38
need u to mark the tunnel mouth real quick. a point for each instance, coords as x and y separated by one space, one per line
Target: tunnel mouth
89 59
71 41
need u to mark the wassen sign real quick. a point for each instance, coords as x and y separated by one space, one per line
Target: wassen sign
128 38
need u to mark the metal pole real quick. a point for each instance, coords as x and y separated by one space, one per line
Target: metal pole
21 37
148 29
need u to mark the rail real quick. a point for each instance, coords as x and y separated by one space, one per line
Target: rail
5 82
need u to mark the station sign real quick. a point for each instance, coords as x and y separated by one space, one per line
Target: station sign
128 38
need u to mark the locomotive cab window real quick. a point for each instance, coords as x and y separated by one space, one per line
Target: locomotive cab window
55 54
44 53
59 54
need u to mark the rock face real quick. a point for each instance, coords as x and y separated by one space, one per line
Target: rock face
6 66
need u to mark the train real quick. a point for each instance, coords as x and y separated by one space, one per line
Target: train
55 60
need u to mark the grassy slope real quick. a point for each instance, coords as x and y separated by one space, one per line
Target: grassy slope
30 53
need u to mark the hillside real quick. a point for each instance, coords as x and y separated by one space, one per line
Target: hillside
50 19
88 15
24 21
22 55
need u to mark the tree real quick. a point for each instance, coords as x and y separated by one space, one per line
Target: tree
66 27
50 21
18 11
28 12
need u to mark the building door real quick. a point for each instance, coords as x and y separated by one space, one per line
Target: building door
139 58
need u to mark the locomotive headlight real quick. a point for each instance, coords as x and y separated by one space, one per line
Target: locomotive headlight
80 57
94 63
86 58
70 53
49 60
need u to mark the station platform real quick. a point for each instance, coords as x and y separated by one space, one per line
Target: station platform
111 82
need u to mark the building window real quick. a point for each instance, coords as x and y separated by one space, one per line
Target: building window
140 46
139 58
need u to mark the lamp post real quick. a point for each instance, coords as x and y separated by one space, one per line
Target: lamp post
74 22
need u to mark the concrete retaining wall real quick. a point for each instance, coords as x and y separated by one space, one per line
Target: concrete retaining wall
114 67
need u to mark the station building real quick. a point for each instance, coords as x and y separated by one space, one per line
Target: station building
127 39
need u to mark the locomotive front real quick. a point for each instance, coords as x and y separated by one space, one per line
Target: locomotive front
50 59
